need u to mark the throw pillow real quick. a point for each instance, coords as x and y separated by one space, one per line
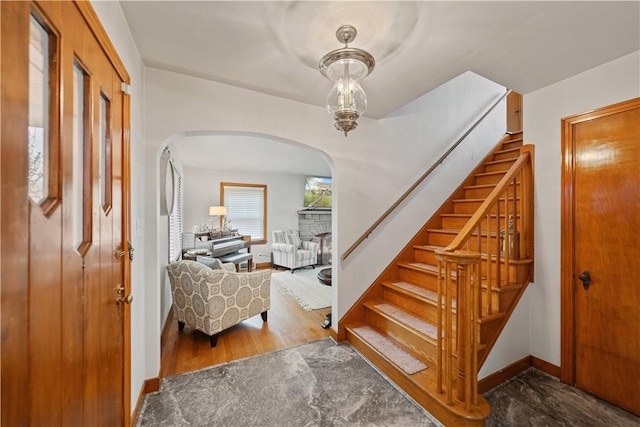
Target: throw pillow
292 239
212 263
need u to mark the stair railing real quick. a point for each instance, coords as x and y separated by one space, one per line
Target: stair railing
478 259
406 194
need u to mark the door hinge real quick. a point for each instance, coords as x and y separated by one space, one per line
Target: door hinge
126 89
130 250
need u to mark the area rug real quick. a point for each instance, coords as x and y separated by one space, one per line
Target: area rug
305 287
316 384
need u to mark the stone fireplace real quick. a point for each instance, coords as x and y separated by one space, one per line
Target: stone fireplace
316 225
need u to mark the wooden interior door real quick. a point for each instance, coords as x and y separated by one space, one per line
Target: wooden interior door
600 278
64 226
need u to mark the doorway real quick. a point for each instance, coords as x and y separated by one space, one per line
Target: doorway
600 253
65 184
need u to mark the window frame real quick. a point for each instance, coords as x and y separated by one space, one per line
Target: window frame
263 240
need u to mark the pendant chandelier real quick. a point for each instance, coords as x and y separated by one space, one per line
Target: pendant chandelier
346 67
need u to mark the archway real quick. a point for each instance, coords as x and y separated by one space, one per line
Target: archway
205 158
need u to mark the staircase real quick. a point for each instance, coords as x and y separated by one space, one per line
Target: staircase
431 318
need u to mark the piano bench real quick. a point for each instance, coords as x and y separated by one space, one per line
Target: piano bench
238 259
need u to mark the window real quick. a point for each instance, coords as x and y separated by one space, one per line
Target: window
246 208
81 160
175 218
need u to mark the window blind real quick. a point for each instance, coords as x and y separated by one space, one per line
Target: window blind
175 219
246 209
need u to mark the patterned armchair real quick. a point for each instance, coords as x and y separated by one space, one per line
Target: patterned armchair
290 252
214 300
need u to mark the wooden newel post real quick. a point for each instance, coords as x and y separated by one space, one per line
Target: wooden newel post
467 280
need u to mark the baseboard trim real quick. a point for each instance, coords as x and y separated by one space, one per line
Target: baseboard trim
149 386
260 265
333 334
165 328
508 372
546 367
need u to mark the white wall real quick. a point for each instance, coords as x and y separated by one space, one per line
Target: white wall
116 27
284 198
607 84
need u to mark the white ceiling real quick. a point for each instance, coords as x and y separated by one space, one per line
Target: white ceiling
274 46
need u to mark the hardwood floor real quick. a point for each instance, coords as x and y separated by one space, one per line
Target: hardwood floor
288 325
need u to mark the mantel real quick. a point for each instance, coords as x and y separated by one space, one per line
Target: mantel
315 212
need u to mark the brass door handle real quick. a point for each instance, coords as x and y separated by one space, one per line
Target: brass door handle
121 298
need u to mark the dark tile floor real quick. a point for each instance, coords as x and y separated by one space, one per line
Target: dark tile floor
323 384
534 398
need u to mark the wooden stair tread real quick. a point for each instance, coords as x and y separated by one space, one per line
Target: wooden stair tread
420 266
404 317
454 231
399 357
417 292
469 215
509 150
490 173
428 247
495 162
480 200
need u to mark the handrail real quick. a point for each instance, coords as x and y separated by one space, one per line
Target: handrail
488 203
406 194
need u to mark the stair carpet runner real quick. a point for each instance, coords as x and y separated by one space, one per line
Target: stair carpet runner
391 351
425 293
388 349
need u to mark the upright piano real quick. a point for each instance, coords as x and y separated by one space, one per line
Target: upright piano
228 246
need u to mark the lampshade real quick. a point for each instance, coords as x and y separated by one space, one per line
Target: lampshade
346 101
217 210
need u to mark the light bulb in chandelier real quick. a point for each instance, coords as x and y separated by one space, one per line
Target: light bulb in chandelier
347 100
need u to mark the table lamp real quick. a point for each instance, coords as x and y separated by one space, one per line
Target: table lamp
219 211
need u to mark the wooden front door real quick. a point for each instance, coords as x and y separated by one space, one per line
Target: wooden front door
601 253
64 193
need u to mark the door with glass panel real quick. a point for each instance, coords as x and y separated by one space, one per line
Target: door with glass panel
64 260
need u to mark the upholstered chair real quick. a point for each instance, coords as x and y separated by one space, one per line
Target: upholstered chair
214 300
290 252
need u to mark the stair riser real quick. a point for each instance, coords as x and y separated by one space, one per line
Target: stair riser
466 207
423 348
488 179
443 239
425 256
458 223
477 193
516 143
500 300
506 155
502 166
425 279
483 192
